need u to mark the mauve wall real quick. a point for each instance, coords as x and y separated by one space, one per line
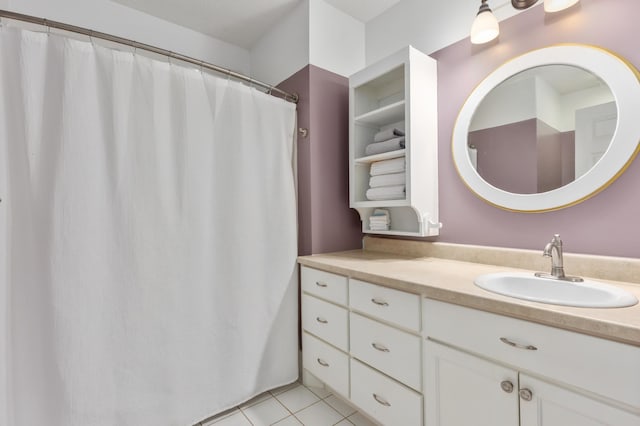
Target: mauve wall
605 224
334 225
299 83
325 221
508 156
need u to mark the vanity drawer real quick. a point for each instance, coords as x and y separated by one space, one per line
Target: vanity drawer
394 352
326 363
324 284
387 304
383 398
326 320
601 366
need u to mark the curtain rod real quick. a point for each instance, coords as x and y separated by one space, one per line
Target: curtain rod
291 97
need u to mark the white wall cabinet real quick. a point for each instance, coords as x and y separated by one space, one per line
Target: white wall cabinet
510 372
397 92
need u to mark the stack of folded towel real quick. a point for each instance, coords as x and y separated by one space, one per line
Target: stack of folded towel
387 180
385 141
379 220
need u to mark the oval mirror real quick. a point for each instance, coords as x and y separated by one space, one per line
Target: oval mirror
549 128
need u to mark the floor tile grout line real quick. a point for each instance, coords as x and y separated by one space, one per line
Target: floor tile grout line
270 394
279 420
246 417
285 407
303 408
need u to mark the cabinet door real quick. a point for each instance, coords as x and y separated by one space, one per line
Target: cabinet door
549 405
463 390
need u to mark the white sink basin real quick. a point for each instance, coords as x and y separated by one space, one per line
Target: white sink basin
586 294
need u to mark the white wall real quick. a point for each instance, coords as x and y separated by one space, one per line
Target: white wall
426 25
508 103
336 40
549 106
314 33
284 50
113 18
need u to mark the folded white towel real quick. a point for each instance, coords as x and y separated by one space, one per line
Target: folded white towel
387 180
386 193
378 228
386 146
380 217
383 135
395 165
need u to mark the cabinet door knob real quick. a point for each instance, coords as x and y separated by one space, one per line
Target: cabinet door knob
321 320
321 284
379 302
517 345
526 394
381 401
323 363
380 347
506 386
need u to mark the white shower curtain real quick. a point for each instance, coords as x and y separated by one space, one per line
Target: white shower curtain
148 238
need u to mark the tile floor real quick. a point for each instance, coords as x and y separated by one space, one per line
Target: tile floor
292 405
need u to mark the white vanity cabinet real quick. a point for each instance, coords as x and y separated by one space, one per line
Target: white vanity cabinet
556 405
398 92
363 341
325 328
462 389
386 369
482 368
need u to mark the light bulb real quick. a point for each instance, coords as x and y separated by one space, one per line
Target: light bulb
485 27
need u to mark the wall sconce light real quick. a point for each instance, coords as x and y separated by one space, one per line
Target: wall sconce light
485 26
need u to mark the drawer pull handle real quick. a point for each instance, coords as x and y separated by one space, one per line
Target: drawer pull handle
381 401
321 284
323 363
379 303
518 345
526 394
506 386
321 320
380 347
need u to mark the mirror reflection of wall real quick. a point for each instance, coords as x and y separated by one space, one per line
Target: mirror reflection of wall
542 128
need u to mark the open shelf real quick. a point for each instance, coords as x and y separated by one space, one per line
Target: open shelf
379 203
399 92
383 116
379 157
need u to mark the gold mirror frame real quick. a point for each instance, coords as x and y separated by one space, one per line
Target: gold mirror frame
623 80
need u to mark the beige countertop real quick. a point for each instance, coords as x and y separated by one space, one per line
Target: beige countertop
452 281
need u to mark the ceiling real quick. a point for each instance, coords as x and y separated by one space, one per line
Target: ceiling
242 22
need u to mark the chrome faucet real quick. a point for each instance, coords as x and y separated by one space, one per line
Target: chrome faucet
554 251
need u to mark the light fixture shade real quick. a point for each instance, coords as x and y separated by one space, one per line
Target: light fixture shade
551 6
484 28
